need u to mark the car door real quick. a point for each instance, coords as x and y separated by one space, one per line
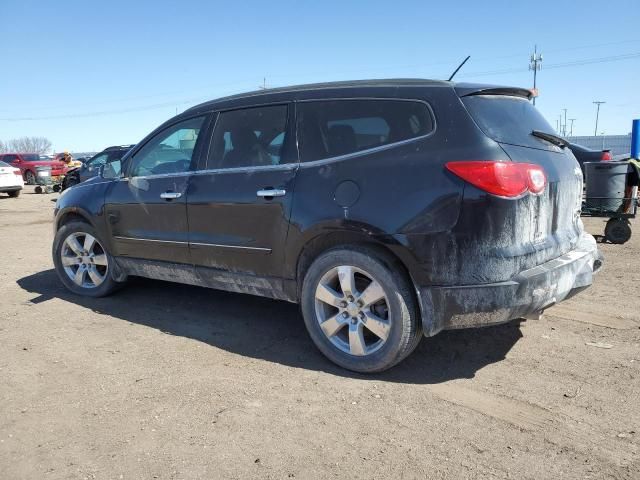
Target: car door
146 209
239 205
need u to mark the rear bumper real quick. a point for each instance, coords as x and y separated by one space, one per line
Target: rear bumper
12 188
529 292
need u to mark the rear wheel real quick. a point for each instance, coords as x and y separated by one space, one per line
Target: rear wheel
360 310
30 177
14 194
618 230
82 262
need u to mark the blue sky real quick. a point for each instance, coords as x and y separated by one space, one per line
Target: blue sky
92 74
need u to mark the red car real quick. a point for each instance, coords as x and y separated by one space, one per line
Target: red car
27 163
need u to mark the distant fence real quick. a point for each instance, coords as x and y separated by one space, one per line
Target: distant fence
618 144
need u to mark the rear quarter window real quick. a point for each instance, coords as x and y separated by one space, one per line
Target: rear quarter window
508 119
333 128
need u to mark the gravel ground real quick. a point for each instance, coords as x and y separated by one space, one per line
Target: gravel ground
174 382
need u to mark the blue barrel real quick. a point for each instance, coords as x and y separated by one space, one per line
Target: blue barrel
635 139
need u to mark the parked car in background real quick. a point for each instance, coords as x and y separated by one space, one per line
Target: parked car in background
584 154
389 209
10 180
91 167
27 163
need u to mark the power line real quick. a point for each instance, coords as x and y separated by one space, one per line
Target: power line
587 61
574 63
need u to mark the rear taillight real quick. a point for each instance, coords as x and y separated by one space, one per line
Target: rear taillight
505 179
606 156
16 171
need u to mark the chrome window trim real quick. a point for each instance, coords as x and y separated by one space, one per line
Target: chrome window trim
198 244
380 148
217 245
159 175
149 240
283 167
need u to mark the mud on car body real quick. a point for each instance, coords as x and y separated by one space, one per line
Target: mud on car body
387 209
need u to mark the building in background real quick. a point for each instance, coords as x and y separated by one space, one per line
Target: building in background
618 144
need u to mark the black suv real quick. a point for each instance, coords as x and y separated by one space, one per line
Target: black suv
389 209
91 167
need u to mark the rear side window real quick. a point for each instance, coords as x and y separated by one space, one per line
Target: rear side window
251 137
508 119
340 127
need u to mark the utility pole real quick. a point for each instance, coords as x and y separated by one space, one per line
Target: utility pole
571 131
564 130
535 63
264 84
598 103
560 123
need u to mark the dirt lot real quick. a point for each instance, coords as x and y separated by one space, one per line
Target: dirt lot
168 381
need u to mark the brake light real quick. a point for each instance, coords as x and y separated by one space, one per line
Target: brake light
606 156
16 171
505 179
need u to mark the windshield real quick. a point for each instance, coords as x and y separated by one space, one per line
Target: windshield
508 119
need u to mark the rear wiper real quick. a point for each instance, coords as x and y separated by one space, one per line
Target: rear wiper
551 138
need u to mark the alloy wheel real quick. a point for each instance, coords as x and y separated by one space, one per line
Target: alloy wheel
84 260
352 310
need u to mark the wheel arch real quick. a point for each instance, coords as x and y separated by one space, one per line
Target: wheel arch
394 254
71 214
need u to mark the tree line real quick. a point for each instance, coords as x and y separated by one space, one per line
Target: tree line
38 145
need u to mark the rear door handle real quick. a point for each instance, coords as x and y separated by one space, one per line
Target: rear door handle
170 195
273 192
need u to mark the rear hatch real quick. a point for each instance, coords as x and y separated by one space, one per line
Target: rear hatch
549 224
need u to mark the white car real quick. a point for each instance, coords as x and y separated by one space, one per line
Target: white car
10 180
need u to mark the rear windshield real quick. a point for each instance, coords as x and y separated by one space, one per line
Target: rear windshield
4 165
508 119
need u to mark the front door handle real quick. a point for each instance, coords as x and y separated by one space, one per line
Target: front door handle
170 195
272 192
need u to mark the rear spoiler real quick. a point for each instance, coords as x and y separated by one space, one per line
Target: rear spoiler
465 90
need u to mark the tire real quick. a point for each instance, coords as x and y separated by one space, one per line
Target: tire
14 194
96 261
618 231
30 177
363 336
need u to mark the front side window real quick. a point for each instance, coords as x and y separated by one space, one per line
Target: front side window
97 161
341 127
251 137
170 151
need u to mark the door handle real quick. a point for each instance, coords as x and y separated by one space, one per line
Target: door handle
170 195
272 192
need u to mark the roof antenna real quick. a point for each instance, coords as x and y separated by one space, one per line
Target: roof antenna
459 67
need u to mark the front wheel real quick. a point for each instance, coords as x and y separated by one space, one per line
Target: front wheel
359 309
82 262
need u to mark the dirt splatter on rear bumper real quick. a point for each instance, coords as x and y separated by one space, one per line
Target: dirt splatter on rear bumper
531 291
